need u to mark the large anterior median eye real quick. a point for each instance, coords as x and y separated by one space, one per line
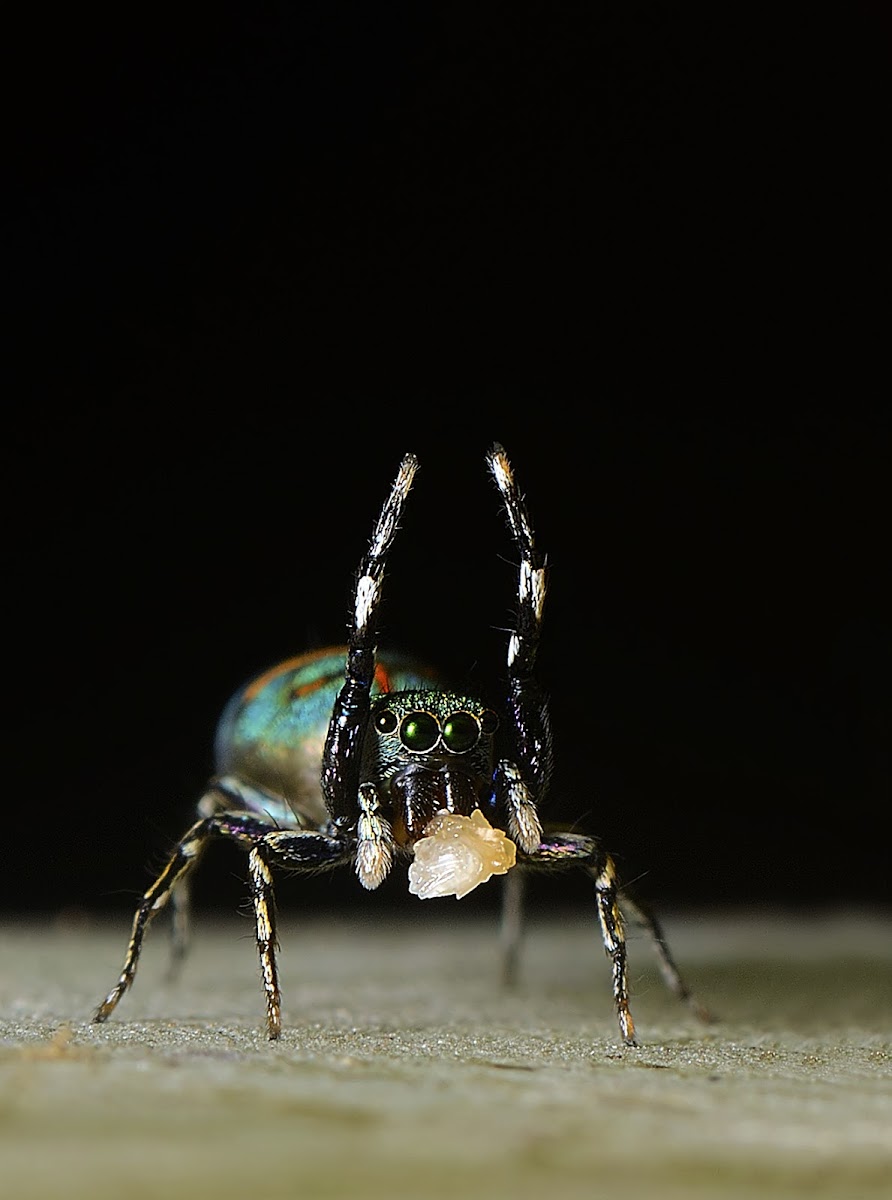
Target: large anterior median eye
460 732
419 731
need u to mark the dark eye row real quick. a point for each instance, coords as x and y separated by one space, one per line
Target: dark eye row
420 731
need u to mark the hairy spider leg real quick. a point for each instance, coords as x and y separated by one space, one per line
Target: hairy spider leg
296 850
342 755
514 886
180 926
559 851
180 864
644 916
522 778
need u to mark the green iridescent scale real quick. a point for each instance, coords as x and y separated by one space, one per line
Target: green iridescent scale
273 730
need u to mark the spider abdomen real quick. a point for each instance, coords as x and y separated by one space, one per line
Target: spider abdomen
272 731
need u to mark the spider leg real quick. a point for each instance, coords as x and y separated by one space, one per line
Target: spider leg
613 935
527 770
517 801
644 916
311 851
182 861
303 851
374 839
180 926
511 931
343 746
559 851
224 794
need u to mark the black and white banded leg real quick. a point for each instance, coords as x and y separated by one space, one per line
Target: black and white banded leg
522 777
644 916
292 850
561 851
304 851
342 756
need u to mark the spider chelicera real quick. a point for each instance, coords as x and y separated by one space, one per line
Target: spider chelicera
321 767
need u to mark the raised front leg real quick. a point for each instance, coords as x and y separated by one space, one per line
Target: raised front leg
527 732
343 745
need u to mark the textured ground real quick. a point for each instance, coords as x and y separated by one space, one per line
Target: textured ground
404 1072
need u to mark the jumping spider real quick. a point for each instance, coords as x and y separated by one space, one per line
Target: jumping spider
398 751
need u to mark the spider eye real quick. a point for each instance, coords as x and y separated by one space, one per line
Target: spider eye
386 721
419 731
460 732
489 721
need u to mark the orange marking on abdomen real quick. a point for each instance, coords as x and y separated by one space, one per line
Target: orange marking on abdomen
301 660
382 678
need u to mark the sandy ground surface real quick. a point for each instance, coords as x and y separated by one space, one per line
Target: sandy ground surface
404 1071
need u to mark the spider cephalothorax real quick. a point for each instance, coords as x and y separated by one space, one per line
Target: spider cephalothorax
431 751
354 757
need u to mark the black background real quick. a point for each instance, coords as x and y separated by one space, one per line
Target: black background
255 257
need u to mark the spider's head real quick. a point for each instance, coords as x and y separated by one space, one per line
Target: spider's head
431 750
